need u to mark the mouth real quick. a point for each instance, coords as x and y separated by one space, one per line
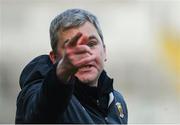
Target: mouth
86 68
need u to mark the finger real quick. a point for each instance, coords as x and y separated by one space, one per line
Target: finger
83 40
65 43
82 49
73 41
74 58
85 61
82 56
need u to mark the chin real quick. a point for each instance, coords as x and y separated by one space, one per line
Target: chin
87 79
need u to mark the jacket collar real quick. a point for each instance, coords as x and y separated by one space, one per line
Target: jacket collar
88 96
105 86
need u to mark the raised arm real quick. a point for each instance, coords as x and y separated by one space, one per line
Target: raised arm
47 88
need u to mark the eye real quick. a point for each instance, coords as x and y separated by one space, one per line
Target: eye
92 43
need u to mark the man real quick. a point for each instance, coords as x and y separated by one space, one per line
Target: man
70 85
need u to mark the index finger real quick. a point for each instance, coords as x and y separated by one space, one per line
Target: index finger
83 40
73 41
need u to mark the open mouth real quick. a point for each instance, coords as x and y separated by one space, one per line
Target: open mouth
86 68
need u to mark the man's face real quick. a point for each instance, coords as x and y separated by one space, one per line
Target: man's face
91 73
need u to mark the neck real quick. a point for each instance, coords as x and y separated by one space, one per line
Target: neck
93 84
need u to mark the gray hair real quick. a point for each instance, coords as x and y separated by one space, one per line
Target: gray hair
69 19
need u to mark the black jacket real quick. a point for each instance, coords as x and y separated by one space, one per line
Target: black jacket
45 99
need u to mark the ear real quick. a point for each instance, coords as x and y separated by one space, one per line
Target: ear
52 57
105 56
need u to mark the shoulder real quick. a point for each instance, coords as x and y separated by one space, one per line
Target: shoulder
119 98
35 69
118 95
121 104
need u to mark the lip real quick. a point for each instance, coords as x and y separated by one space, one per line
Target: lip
87 68
93 64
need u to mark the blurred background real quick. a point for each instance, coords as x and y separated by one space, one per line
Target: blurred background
143 51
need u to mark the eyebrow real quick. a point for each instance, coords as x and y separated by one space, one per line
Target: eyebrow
92 37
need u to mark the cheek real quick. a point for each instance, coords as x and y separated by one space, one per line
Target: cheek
100 57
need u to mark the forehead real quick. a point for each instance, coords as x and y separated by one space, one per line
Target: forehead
87 29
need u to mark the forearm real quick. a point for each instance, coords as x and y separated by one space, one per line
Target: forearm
44 101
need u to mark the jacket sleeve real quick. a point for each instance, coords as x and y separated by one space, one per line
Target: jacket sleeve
43 98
